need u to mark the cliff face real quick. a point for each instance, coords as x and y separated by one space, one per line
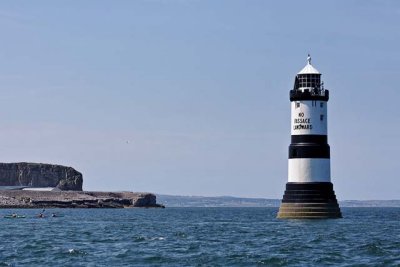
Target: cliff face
40 175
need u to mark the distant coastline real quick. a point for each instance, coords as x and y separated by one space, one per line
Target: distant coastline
228 201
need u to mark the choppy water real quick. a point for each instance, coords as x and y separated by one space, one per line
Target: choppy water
200 237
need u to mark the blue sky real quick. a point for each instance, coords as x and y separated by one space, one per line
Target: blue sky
191 97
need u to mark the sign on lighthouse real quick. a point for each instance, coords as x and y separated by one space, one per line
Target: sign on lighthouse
309 191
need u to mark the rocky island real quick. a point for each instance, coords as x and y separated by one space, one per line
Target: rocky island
38 185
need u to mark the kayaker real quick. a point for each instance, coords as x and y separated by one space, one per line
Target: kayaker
41 215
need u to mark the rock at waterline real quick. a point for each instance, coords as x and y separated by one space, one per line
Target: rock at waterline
75 199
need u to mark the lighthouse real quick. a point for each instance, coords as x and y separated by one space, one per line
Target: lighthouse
309 191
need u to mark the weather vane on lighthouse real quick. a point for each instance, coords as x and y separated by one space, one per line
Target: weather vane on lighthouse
309 191
309 59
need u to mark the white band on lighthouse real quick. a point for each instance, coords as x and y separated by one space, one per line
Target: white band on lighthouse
309 117
309 170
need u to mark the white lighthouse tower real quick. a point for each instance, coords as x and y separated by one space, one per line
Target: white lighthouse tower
309 191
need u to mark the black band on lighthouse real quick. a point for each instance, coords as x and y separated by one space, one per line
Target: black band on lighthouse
297 95
309 146
309 138
310 193
309 151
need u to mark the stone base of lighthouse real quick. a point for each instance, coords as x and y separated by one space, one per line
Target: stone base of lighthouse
309 201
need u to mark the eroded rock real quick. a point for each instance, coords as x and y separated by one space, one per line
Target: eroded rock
40 175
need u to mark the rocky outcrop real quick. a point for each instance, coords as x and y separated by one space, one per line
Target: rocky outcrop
146 200
40 175
73 199
68 181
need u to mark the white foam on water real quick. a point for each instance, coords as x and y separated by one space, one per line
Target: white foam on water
157 238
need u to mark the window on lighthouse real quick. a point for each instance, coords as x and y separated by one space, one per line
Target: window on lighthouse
321 117
321 104
297 104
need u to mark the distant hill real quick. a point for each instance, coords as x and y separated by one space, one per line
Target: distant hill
370 203
227 201
224 201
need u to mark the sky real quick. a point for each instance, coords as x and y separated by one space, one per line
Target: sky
191 97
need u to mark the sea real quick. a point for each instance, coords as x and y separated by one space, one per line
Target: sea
198 237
